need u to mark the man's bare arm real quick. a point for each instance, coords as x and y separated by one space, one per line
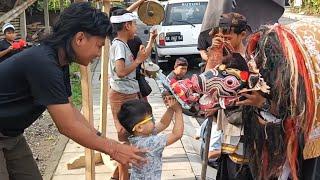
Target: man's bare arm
66 121
135 5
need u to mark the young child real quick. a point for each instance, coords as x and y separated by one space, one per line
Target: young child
136 116
180 70
123 83
6 49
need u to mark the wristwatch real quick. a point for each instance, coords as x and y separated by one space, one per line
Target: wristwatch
266 105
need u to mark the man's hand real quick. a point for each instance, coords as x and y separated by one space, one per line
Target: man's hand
126 154
142 55
217 42
211 112
254 99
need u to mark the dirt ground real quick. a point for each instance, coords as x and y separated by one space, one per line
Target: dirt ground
42 137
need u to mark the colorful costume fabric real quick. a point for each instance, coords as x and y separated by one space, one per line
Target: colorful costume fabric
288 59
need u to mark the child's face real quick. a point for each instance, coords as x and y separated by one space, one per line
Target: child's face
146 128
10 35
131 28
181 70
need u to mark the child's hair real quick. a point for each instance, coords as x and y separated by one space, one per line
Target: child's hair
118 26
8 30
132 112
181 61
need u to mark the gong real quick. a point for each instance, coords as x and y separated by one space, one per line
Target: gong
151 13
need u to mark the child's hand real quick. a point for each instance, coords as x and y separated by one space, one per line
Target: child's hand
172 103
142 55
153 34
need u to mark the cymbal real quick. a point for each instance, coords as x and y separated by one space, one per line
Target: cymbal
151 12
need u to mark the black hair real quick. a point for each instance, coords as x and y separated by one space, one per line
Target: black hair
78 17
235 60
132 112
181 61
112 9
118 12
8 29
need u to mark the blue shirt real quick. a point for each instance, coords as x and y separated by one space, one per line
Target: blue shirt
155 145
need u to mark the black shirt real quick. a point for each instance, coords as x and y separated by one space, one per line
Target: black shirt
4 44
204 40
30 81
134 46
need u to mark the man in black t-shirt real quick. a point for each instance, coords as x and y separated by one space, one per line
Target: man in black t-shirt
6 49
37 79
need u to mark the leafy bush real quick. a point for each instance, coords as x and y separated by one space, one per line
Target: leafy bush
310 6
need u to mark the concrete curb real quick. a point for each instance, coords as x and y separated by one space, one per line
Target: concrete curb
55 157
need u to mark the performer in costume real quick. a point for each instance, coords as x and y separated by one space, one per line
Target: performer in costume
288 59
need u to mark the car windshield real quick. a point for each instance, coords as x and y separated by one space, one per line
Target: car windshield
185 13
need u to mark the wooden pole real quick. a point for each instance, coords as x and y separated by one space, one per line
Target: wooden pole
23 25
46 16
206 149
87 109
104 79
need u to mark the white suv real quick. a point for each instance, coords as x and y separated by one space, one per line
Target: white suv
179 31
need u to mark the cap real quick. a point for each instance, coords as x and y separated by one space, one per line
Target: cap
6 26
181 61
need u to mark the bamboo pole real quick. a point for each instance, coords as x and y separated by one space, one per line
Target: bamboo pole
87 109
104 79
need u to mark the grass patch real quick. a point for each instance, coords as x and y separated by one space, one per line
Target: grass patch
75 85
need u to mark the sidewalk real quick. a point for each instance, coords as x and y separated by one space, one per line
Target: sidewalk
181 160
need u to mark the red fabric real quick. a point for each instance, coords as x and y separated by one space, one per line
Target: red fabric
293 122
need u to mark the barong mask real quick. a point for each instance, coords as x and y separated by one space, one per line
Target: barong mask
219 87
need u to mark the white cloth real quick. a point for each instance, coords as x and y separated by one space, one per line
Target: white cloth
6 26
127 17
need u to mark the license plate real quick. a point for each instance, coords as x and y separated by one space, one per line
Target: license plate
174 38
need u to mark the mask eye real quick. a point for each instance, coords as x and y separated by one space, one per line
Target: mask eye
231 82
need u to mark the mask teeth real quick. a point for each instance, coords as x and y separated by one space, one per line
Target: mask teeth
221 103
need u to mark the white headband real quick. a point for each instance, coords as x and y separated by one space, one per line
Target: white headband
127 17
6 26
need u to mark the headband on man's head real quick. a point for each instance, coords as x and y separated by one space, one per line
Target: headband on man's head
127 17
234 20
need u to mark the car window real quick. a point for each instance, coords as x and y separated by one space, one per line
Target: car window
185 13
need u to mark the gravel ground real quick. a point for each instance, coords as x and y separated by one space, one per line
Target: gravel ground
42 137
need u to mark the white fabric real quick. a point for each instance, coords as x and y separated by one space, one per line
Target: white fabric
6 26
127 17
